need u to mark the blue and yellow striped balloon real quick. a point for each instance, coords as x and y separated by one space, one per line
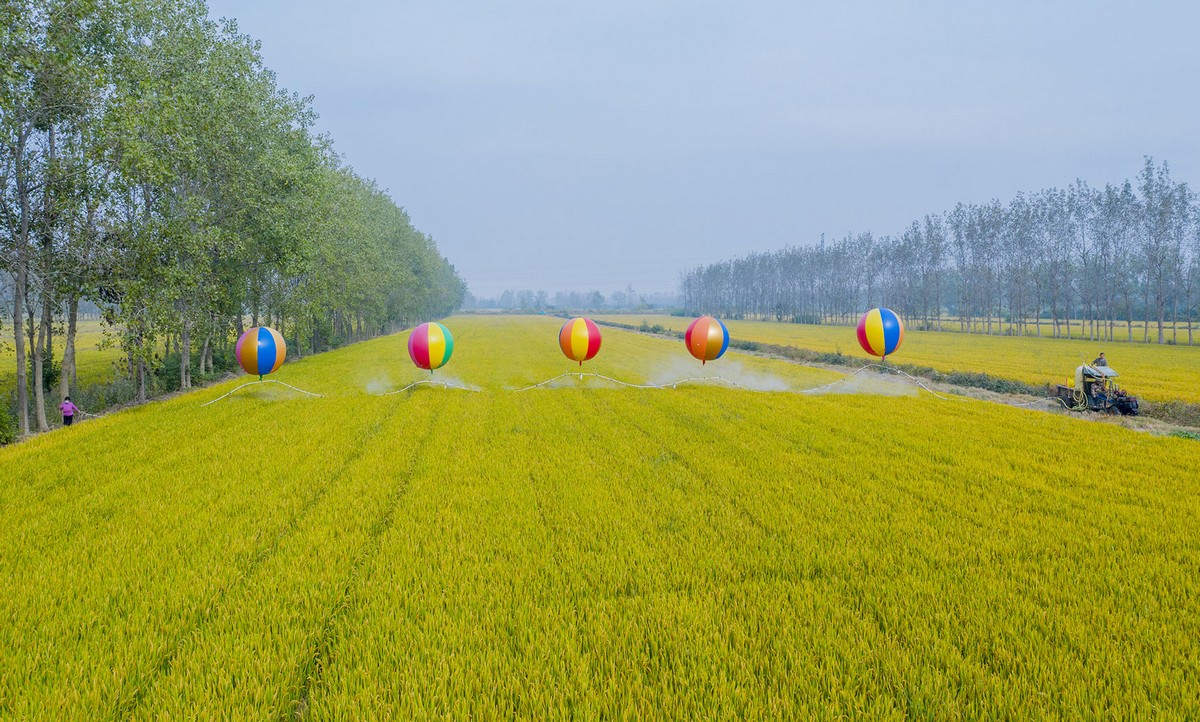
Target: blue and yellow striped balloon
880 332
260 351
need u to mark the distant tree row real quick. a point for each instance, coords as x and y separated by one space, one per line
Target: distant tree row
540 300
1114 258
150 164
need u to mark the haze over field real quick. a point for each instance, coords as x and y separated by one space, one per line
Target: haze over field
549 145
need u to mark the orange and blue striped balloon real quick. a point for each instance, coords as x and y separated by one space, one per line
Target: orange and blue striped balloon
260 350
706 339
579 339
880 332
430 346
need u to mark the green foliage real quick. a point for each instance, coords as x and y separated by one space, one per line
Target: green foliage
1175 412
8 426
98 397
976 380
166 372
181 189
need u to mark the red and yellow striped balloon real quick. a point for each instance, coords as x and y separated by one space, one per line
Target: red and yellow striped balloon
430 346
706 339
579 339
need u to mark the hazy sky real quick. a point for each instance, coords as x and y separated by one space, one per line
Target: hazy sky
593 145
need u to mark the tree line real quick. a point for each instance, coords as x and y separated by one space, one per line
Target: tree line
151 165
530 300
1122 261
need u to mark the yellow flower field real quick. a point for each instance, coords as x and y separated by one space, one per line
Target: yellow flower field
1151 371
583 550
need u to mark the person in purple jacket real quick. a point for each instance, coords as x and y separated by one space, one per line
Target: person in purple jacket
68 411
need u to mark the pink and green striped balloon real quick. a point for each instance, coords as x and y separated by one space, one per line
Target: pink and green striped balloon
430 346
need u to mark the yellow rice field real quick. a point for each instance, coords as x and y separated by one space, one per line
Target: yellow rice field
586 551
1151 371
94 364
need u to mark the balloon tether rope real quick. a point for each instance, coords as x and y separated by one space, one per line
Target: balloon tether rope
255 383
881 367
429 382
626 384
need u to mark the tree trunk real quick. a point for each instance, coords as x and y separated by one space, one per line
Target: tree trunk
22 281
1188 308
1037 312
204 355
40 352
1175 321
185 356
1162 310
141 382
1129 316
1146 314
42 346
67 377
31 328
21 286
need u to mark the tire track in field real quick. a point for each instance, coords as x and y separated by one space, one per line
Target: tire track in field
632 421
638 420
125 708
653 422
310 673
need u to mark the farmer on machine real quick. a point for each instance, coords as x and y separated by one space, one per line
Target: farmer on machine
1100 360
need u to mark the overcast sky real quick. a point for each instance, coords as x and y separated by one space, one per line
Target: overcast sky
591 145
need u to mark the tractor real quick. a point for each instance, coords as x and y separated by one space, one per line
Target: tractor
1095 390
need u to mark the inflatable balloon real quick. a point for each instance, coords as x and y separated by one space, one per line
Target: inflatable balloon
579 339
430 346
260 351
706 339
880 332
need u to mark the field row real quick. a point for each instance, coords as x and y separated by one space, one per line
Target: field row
94 362
1153 372
582 551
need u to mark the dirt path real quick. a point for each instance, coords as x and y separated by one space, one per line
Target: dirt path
1026 401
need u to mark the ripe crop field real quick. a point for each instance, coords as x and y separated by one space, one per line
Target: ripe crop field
1151 371
94 364
586 551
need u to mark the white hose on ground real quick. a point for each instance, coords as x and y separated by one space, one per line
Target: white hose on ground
428 382
255 383
626 384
